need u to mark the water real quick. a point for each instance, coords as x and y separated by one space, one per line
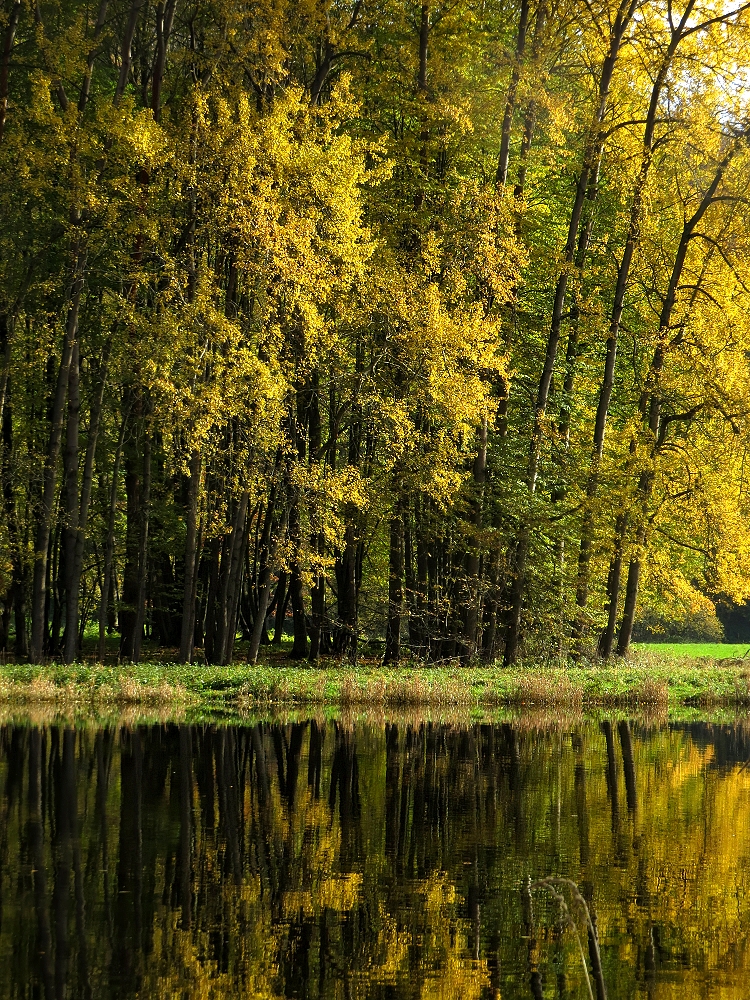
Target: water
354 860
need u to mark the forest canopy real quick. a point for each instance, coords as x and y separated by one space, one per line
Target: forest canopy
418 324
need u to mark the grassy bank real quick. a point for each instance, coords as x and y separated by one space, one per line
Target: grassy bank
648 681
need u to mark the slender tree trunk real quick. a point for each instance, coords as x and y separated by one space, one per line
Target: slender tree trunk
143 551
126 49
422 584
395 587
613 588
631 591
317 539
127 612
410 580
7 325
424 38
10 35
44 522
346 598
491 607
299 647
530 115
70 528
54 611
317 605
164 18
282 602
191 561
501 175
269 546
17 594
86 85
471 630
217 546
109 548
231 593
73 591
264 594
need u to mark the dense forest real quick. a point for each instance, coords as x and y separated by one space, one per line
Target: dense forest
417 324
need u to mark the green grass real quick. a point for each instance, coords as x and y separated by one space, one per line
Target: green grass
711 650
660 680
650 681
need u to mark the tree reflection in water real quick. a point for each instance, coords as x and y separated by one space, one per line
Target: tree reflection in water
177 860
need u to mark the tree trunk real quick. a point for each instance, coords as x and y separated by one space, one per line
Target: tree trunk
140 614
282 602
73 591
613 588
70 527
317 606
126 49
86 85
269 546
217 547
44 522
55 605
529 118
395 587
164 19
317 539
346 598
422 604
6 341
232 576
10 35
191 561
631 594
471 629
299 647
17 595
501 175
133 470
424 37
110 542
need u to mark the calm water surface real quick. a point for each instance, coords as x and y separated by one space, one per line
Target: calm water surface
348 860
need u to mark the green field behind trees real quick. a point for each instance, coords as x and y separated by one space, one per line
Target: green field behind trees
413 330
692 650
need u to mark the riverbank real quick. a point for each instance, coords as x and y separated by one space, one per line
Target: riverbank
646 682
